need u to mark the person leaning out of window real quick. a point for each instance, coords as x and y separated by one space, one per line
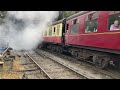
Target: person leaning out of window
115 26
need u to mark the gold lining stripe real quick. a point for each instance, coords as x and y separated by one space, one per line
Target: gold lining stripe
96 33
51 36
88 34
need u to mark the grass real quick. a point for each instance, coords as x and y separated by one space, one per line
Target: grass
17 65
12 74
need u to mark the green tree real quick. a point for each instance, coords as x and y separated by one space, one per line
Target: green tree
2 16
64 14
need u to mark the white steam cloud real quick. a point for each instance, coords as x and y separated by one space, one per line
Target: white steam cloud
23 29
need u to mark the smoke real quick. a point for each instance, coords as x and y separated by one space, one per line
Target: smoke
23 29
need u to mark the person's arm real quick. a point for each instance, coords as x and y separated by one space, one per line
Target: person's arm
119 26
111 27
87 29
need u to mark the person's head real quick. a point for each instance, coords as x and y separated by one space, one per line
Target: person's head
116 23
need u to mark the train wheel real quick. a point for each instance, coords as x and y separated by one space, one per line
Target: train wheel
49 47
117 64
53 48
56 49
60 50
74 53
101 62
77 55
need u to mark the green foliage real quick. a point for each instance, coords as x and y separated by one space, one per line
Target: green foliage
69 13
2 16
64 14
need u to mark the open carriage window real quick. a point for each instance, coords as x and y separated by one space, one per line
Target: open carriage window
54 30
114 20
75 21
67 27
75 26
91 22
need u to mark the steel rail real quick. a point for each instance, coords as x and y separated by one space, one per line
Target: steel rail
39 66
5 51
43 55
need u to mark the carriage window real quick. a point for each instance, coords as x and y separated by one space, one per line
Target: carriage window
75 21
91 22
50 31
114 20
113 12
67 26
45 33
75 27
54 30
58 27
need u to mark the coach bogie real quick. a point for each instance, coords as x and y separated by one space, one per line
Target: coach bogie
101 61
117 64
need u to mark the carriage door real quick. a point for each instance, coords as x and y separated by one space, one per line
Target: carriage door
66 32
63 31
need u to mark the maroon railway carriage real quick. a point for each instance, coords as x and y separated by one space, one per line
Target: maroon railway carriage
87 35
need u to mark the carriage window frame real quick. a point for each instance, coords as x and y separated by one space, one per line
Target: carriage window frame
58 30
74 22
93 17
67 26
50 31
54 30
112 13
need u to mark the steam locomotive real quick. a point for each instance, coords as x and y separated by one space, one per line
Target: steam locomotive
87 36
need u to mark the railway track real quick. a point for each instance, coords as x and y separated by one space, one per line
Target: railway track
33 69
3 53
85 69
54 69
